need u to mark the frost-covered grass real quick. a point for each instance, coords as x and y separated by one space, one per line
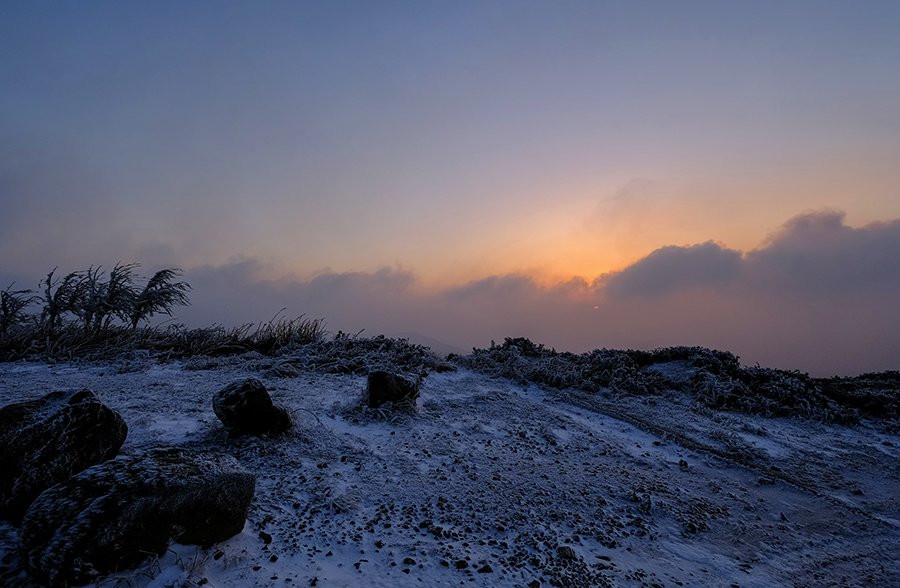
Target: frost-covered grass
71 341
345 354
715 379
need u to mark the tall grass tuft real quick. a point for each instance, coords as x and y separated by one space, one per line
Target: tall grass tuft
160 295
12 307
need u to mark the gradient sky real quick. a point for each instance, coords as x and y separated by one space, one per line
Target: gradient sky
452 142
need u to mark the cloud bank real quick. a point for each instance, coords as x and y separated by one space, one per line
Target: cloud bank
818 295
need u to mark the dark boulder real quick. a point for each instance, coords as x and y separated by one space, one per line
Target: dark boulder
48 440
385 387
245 408
114 515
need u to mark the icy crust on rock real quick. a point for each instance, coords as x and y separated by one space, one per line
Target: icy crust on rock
47 440
114 515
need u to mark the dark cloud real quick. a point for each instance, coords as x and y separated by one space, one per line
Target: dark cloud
818 254
507 288
381 301
671 268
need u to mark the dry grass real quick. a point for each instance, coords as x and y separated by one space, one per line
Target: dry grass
70 340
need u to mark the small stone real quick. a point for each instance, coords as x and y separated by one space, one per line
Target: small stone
566 552
461 564
385 386
485 569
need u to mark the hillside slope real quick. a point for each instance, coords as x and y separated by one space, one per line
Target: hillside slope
496 483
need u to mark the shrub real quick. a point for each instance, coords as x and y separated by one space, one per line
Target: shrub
718 380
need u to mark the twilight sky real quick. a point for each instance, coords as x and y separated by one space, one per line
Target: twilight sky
585 173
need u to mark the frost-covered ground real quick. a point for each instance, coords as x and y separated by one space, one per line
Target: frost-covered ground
492 483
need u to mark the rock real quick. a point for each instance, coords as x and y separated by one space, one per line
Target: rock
48 440
114 515
385 387
566 552
245 408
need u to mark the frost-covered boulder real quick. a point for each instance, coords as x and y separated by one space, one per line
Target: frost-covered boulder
46 441
245 408
114 515
385 387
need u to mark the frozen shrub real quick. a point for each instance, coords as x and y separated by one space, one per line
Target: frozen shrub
346 354
874 395
717 380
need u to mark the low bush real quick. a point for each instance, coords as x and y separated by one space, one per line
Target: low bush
717 380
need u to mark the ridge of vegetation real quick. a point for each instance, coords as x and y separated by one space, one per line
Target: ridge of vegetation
714 379
94 315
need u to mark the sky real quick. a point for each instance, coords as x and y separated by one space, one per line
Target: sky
588 174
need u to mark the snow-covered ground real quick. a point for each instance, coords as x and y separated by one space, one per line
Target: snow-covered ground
494 484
